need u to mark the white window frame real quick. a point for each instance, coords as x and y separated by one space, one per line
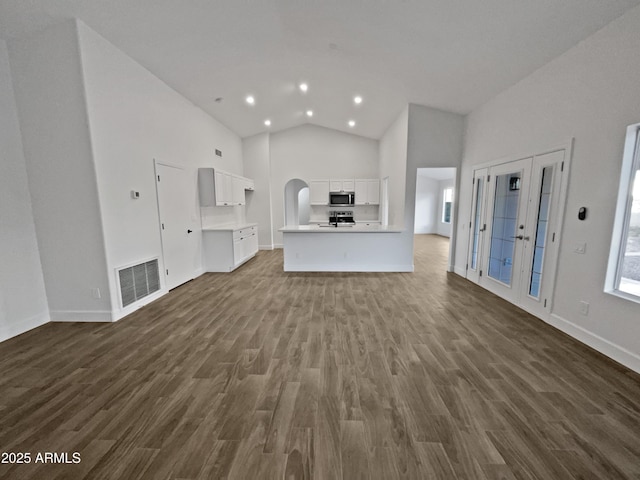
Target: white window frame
630 163
444 205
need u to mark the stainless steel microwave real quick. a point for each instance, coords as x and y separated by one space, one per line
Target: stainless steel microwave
342 199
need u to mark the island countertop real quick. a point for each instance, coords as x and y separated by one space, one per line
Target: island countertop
374 228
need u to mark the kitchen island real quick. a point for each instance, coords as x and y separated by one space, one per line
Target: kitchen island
358 248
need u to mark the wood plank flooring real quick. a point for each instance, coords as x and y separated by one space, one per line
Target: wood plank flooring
262 374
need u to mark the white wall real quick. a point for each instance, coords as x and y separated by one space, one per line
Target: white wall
589 93
434 139
62 179
257 165
310 152
442 228
136 118
23 300
427 190
393 164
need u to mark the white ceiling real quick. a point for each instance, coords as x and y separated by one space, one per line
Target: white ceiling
448 54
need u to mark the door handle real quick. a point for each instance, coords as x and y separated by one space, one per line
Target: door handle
520 237
189 231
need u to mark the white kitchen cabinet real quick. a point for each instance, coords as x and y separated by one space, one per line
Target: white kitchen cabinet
367 192
341 185
222 189
319 192
239 184
226 248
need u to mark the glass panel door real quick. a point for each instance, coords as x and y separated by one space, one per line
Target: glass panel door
540 242
504 231
507 213
540 239
477 224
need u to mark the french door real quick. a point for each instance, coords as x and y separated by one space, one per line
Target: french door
514 229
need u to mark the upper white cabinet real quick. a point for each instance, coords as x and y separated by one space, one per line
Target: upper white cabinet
223 188
341 185
319 192
217 188
238 190
367 192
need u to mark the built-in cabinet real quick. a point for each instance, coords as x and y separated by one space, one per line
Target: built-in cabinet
226 248
319 192
218 188
367 192
341 185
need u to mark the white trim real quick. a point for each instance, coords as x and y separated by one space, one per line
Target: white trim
622 213
81 316
566 145
348 268
129 309
611 350
460 271
278 245
14 329
265 247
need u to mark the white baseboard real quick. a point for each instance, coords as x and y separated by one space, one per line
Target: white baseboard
17 328
129 309
611 350
265 247
80 316
198 272
278 245
348 268
460 271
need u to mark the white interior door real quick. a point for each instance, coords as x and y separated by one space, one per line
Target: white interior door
477 224
506 226
174 206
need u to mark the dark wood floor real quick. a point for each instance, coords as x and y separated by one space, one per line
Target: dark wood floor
265 374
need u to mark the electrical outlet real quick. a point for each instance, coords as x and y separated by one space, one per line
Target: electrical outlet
584 308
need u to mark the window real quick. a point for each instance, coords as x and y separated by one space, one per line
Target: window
446 205
623 275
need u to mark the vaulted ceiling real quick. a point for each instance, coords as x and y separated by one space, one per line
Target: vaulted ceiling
448 54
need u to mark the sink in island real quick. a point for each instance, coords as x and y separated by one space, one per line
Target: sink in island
358 248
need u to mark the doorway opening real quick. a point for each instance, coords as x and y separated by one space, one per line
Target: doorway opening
435 204
297 208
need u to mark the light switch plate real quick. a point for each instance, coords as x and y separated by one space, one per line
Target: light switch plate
580 248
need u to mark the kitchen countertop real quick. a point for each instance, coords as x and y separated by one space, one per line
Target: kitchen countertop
230 227
376 228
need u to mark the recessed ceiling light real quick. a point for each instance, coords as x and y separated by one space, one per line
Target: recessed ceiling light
352 123
267 122
304 87
309 113
250 100
357 99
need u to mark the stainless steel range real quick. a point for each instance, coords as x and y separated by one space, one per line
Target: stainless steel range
341 219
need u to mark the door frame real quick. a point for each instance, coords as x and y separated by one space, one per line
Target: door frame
567 146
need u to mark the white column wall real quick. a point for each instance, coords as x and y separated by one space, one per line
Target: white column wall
52 110
23 299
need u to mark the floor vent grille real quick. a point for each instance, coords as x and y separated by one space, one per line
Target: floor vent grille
138 281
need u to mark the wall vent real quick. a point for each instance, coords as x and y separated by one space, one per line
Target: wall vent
138 281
